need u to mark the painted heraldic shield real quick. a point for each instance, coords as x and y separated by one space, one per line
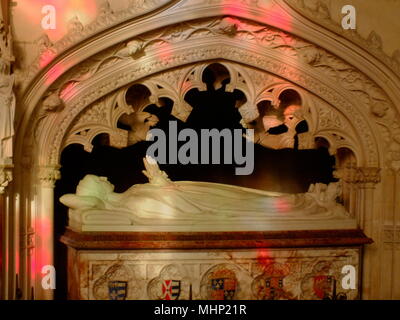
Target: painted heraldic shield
223 285
171 289
117 290
322 285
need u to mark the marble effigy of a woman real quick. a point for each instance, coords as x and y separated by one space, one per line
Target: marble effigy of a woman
165 205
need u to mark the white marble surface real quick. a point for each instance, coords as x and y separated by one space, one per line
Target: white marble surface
165 205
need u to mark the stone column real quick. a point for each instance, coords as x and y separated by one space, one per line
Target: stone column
390 242
44 226
348 175
5 246
368 218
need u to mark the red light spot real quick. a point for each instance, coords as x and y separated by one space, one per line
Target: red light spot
264 257
54 73
282 205
46 58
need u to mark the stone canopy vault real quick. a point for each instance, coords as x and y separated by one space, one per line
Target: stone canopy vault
76 90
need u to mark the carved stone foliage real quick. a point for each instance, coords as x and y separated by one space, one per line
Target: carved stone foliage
48 175
353 85
101 117
77 31
257 86
319 11
329 123
364 176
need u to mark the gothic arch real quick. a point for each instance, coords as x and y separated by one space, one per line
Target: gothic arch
349 108
97 87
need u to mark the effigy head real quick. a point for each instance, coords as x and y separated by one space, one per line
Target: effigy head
92 185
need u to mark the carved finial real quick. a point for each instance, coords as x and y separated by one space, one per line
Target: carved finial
43 42
317 8
46 51
323 10
105 13
105 8
74 25
374 40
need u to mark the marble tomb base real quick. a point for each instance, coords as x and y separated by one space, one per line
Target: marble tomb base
213 265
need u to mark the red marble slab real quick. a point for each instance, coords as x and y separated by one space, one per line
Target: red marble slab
213 240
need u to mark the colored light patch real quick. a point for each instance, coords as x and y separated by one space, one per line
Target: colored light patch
44 232
54 73
264 258
282 205
85 10
45 58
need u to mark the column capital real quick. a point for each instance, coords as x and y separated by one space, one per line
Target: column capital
48 175
359 175
6 176
368 175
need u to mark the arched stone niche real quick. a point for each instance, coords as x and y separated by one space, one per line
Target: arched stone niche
324 120
80 93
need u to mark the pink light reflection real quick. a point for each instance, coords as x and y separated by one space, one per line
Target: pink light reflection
53 74
85 10
282 205
264 257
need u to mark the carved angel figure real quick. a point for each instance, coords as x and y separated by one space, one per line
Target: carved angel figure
163 202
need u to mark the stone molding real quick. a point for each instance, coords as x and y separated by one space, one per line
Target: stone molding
353 174
320 13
